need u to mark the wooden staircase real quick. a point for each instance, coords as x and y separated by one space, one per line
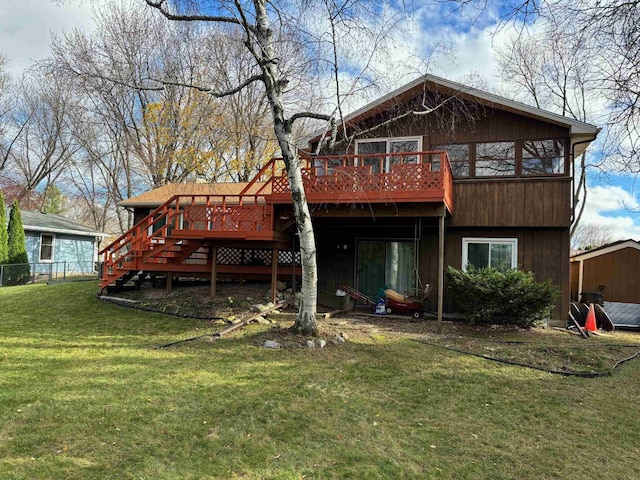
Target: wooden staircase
179 235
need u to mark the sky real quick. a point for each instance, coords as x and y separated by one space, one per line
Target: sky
26 27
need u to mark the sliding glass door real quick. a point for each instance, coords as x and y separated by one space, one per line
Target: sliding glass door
382 262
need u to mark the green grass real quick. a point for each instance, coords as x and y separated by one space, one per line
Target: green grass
83 394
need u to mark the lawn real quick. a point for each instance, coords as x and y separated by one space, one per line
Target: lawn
84 395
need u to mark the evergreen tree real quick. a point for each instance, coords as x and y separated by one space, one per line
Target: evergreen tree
4 252
54 200
18 272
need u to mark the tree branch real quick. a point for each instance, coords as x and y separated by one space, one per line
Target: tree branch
210 91
315 116
160 5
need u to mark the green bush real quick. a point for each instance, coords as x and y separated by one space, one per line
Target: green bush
18 272
494 296
4 246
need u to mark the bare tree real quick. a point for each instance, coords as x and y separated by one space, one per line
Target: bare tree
590 236
268 29
43 143
610 31
165 130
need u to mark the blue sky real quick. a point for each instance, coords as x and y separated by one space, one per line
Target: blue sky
26 27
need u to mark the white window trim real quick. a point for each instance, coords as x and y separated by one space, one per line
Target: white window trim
388 140
53 248
504 241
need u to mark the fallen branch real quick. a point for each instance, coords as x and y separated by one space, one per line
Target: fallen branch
230 328
125 302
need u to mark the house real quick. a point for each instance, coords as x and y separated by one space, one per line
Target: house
55 243
612 271
433 174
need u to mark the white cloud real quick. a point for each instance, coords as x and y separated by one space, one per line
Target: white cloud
616 200
26 27
610 198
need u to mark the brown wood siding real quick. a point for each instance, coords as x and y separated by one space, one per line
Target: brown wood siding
545 252
489 125
517 203
140 214
618 271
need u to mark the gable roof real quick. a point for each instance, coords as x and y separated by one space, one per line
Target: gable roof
578 130
156 197
52 223
605 249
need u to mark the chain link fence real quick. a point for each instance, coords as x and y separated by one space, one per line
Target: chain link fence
47 272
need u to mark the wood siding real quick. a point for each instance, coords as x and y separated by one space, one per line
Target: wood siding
618 271
476 124
545 252
512 203
542 251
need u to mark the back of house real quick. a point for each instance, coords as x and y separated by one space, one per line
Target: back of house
432 174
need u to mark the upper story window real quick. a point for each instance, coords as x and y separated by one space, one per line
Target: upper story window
458 158
542 157
376 152
46 247
495 159
521 158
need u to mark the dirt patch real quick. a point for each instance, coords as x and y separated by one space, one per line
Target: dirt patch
193 299
544 348
553 349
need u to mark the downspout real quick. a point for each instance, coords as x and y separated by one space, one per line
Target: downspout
573 175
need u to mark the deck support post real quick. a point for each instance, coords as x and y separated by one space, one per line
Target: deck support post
274 274
169 282
214 273
293 264
440 269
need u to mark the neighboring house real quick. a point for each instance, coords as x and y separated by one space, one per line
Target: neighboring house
53 240
480 180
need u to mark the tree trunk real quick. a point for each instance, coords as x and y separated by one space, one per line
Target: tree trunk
306 319
269 64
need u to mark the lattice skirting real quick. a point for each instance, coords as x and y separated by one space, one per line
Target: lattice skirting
254 256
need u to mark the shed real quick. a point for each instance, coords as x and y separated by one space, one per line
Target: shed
613 270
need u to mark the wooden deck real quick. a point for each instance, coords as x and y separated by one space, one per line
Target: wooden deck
344 179
175 236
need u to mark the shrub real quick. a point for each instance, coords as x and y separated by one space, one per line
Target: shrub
19 271
4 247
502 297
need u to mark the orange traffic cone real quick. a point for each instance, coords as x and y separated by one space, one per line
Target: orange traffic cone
590 324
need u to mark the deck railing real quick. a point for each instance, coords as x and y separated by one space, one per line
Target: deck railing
397 177
189 216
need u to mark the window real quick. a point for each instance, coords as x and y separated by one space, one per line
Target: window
374 152
500 253
46 247
326 166
542 157
458 158
495 159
